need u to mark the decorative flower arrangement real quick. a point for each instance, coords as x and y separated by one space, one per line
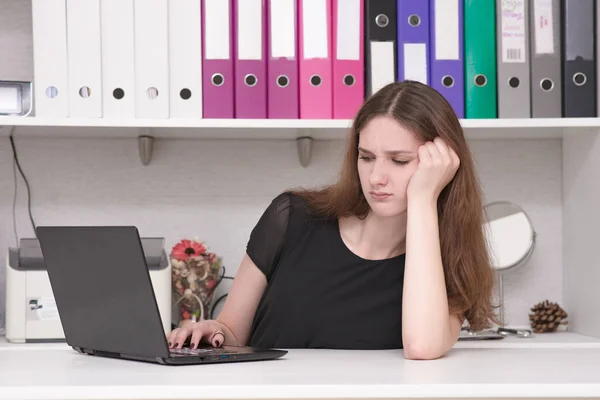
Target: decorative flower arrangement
195 274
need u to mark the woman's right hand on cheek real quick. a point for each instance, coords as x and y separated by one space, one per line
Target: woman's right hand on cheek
208 331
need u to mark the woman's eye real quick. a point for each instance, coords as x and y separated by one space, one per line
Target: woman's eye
400 162
365 158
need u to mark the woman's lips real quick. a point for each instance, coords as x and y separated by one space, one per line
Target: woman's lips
380 196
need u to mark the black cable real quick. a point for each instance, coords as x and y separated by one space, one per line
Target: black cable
219 282
18 164
14 204
211 313
212 310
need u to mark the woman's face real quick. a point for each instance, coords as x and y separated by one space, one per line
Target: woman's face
387 159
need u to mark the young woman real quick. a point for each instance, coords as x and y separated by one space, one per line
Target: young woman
393 255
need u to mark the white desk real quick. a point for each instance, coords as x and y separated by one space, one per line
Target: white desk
56 372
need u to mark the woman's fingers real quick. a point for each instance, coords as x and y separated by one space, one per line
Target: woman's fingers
217 339
200 330
434 153
181 337
171 337
443 150
196 332
424 156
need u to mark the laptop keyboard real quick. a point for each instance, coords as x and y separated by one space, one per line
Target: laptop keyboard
187 351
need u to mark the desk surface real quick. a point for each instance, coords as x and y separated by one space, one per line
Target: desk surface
58 372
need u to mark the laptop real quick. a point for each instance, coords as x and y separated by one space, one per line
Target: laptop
106 302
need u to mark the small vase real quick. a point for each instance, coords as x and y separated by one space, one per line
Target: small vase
194 281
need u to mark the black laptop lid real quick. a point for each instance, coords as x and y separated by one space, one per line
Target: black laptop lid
102 289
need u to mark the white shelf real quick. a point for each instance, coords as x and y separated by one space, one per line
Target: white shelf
546 128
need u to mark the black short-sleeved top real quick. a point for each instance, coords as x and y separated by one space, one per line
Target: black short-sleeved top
319 293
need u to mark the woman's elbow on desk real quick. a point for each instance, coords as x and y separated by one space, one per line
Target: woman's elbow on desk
423 352
431 349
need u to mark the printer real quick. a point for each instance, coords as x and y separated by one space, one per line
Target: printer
31 312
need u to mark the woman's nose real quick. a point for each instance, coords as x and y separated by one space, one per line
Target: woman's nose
378 175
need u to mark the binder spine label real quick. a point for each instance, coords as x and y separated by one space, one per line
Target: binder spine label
513 31
544 39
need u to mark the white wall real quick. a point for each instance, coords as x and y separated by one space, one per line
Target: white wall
216 190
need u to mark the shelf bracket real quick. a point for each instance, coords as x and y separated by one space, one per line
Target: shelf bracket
304 147
145 145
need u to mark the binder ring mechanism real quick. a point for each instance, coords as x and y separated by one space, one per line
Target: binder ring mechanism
152 93
185 93
217 79
414 20
118 93
448 81
514 82
382 20
85 92
250 80
546 84
579 79
480 80
283 81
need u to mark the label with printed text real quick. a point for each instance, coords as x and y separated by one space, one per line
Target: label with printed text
513 31
41 309
544 29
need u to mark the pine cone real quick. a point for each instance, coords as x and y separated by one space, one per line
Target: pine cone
546 317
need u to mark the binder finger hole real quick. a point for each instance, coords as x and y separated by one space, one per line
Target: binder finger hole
185 94
448 81
118 93
349 80
250 80
414 20
514 82
85 92
315 80
51 92
480 80
282 81
579 79
546 85
382 20
217 79
152 93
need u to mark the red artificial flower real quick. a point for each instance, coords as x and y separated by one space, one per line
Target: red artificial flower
211 257
210 283
185 249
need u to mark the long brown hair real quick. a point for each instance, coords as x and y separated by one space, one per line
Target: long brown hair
422 110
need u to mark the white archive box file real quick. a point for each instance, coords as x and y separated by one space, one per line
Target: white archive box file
151 24
118 68
84 58
185 58
49 31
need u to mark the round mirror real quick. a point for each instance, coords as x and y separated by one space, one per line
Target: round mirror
510 239
510 235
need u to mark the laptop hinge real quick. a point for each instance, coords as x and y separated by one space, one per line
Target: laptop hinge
82 350
103 353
